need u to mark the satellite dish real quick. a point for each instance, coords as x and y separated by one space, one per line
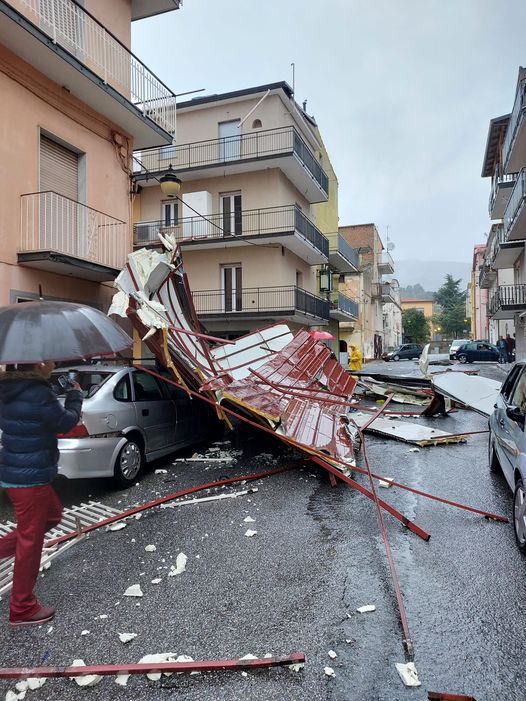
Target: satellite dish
390 245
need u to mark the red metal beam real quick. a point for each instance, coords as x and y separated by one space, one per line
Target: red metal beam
105 670
440 696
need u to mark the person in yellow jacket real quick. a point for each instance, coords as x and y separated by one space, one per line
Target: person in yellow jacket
355 358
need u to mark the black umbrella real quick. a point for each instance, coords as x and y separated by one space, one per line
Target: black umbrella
33 332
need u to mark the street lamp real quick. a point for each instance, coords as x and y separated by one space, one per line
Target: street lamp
170 183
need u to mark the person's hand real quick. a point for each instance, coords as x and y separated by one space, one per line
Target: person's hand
75 385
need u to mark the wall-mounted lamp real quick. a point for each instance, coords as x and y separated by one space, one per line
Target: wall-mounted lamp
170 183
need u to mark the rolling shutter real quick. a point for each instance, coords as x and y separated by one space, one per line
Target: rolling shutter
59 169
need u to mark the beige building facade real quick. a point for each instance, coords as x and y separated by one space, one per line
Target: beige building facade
503 271
251 169
369 333
72 111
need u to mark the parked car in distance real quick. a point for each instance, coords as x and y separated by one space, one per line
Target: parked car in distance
129 417
404 351
475 352
455 345
507 444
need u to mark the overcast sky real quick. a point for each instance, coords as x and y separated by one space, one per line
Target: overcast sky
402 90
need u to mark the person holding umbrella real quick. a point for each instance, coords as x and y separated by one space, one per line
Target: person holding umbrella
30 418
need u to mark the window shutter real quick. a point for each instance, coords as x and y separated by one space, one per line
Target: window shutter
59 169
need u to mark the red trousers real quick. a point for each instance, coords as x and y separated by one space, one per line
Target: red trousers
37 509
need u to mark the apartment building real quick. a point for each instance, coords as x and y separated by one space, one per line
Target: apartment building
503 270
369 288
257 203
478 296
75 103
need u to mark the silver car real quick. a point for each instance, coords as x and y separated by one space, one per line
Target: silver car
128 417
507 444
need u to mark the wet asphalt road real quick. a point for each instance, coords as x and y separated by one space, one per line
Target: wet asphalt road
295 586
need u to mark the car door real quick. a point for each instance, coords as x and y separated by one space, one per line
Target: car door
188 426
156 412
405 351
508 433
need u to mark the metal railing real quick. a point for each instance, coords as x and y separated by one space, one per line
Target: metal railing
515 119
254 145
345 304
382 290
385 258
248 222
497 180
517 200
261 300
51 222
83 36
507 296
347 251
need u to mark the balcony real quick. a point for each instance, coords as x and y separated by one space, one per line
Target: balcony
501 189
385 263
502 254
514 145
343 308
506 301
62 236
281 148
487 277
288 303
342 257
515 214
287 226
383 292
68 45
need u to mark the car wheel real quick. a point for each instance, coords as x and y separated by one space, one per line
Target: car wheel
463 358
494 464
396 357
519 516
129 464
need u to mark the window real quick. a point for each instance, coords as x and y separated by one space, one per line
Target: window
146 387
509 382
256 124
170 213
229 140
231 213
122 392
519 393
232 288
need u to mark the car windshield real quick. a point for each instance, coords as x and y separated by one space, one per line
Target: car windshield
90 380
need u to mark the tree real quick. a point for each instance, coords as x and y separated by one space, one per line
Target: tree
416 326
452 315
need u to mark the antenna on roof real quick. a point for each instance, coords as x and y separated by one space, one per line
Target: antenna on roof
293 78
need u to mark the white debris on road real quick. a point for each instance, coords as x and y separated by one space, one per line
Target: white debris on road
408 673
384 483
249 519
366 609
127 637
157 580
118 526
161 472
332 654
85 632
122 679
414 450
88 679
329 671
180 565
150 548
134 590
249 656
157 657
250 533
296 666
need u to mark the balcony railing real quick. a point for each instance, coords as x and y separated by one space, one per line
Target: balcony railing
519 107
345 304
77 31
497 181
347 251
267 221
517 200
51 222
385 260
255 145
383 291
261 300
510 296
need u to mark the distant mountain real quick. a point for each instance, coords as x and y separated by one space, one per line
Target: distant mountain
430 274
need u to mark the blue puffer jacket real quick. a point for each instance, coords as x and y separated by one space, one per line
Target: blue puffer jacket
30 418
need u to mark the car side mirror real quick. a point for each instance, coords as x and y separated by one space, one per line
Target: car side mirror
515 414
